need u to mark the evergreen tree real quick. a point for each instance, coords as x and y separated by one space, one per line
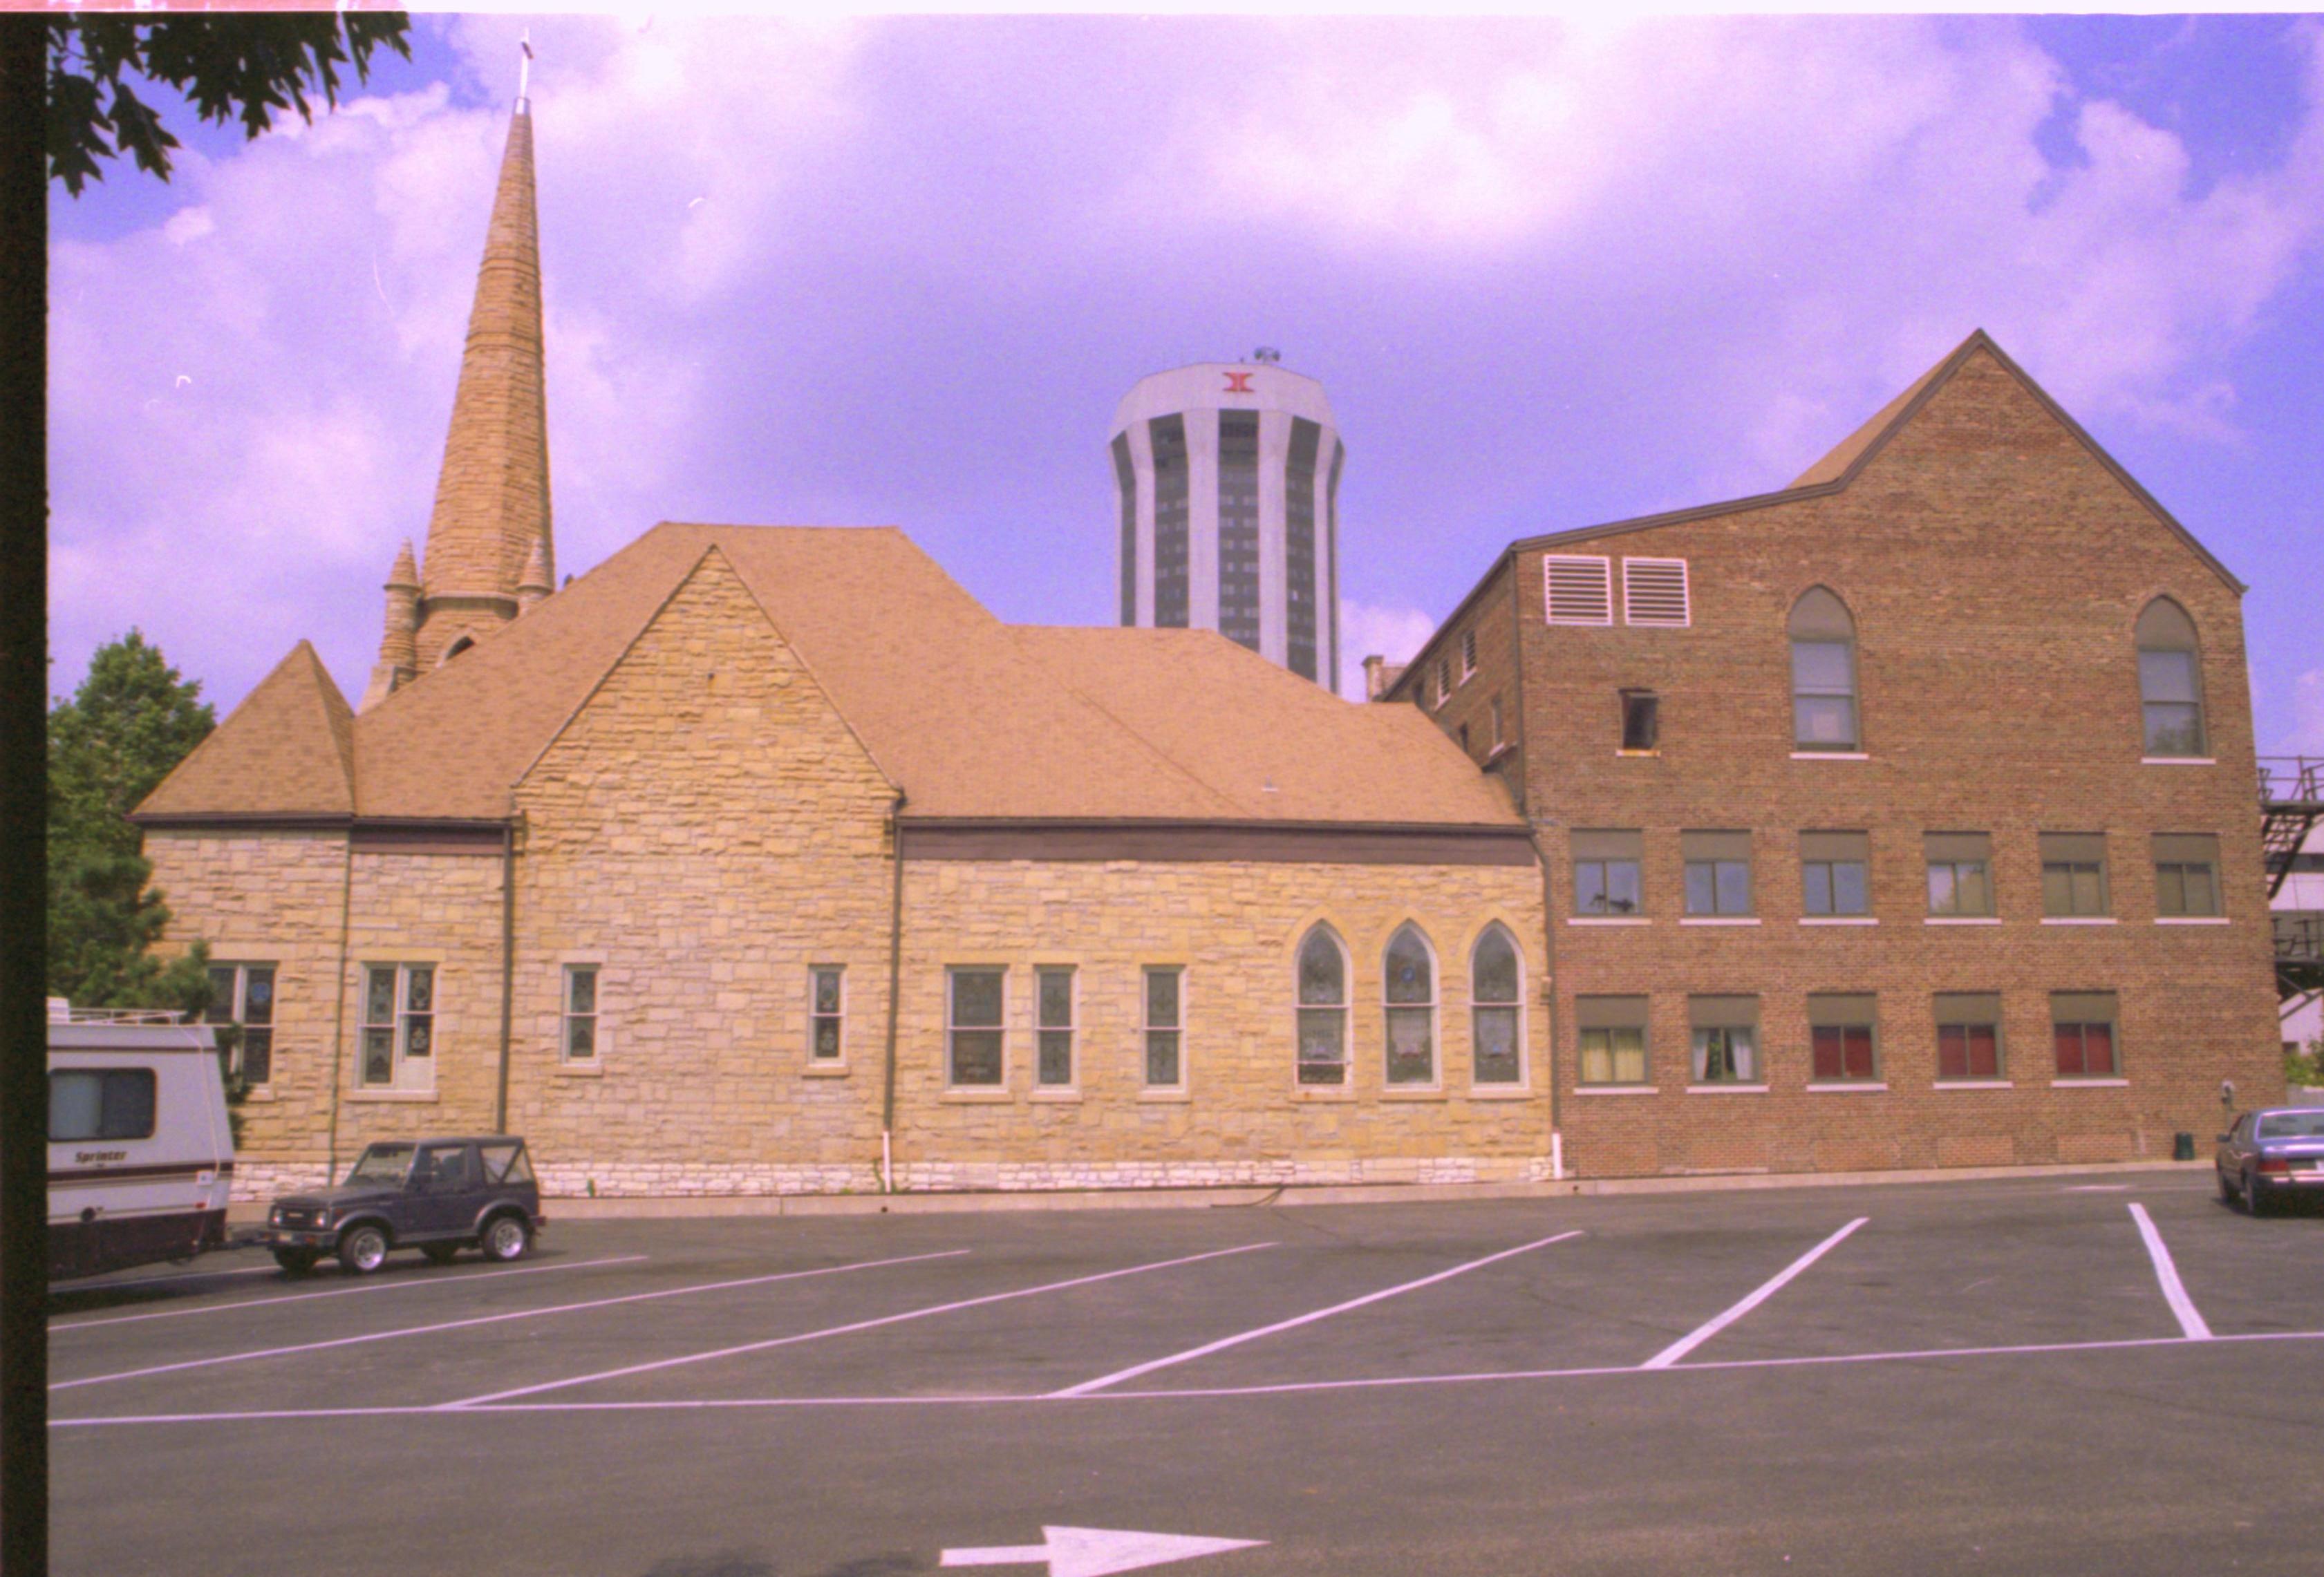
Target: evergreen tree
131 720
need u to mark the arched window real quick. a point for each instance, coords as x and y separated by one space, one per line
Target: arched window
1411 979
1823 674
2169 682
1322 1008
1496 993
455 649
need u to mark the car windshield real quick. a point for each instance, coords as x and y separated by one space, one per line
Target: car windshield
2292 1124
382 1164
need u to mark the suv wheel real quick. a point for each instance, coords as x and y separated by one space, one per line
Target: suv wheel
506 1238
363 1249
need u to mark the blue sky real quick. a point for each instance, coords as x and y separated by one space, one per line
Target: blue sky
899 271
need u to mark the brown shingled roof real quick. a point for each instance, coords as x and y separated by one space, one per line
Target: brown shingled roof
971 717
288 750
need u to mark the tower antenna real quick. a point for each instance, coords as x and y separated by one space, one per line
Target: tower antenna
524 74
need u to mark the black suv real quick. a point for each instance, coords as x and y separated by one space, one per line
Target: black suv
438 1196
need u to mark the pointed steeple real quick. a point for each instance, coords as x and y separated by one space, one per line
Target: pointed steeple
535 584
398 658
492 511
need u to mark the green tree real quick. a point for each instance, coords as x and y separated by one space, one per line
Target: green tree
248 66
127 726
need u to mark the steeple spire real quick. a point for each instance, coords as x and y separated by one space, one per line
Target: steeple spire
399 659
492 511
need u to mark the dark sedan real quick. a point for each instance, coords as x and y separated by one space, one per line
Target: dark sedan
438 1196
2273 1155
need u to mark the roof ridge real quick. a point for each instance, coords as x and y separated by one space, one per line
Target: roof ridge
1152 748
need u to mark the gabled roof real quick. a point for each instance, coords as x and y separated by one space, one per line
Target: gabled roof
1840 467
288 750
971 717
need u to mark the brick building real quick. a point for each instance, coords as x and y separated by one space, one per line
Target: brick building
1903 817
1900 819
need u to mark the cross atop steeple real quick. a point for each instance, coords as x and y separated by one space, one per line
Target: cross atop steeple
492 514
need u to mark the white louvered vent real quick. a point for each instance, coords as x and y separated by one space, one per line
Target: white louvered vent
1654 591
1580 588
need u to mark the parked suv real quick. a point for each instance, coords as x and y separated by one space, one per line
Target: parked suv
438 1196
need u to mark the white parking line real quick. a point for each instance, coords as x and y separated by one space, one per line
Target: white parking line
599 1303
2174 1291
183 1278
1211 1393
300 1297
1087 1387
921 1314
1783 1279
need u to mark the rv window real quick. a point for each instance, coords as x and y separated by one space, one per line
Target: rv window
506 1163
94 1103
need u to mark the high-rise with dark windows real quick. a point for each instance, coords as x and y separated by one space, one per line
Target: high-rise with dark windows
1229 479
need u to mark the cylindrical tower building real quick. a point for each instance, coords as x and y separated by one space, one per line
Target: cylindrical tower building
1229 479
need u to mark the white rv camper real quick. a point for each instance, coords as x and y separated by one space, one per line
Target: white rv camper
140 1152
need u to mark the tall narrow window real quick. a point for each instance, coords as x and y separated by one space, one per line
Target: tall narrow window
1960 874
1718 872
2169 682
972 1031
1496 996
1610 1033
1641 720
1468 653
1969 1035
827 1008
1165 1008
2073 875
1322 983
1842 1038
1055 990
1299 547
243 994
1823 674
399 1025
1834 874
2082 1025
2186 875
1411 981
1167 435
1726 1033
1606 874
1239 527
580 1040
1498 739
1444 680
1125 476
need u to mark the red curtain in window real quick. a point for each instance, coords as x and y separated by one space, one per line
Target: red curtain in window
1968 1051
1843 1051
2084 1050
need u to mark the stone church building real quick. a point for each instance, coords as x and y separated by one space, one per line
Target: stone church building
764 859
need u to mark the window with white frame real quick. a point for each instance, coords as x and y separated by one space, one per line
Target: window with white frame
972 1027
1444 680
1410 970
1578 588
1655 593
827 1012
2171 683
580 1040
1053 991
243 994
1322 983
1823 675
399 1026
1496 1004
1165 1007
1468 653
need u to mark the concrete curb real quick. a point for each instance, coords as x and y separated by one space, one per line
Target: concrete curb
572 1209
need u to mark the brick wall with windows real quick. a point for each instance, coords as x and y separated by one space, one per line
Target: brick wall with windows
1992 573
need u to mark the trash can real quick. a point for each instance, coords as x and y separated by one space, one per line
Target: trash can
2182 1147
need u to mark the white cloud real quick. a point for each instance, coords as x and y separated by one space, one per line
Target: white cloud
1392 632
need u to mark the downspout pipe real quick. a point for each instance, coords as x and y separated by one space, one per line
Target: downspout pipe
339 1021
508 969
895 997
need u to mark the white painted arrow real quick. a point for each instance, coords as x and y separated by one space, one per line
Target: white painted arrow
1096 1551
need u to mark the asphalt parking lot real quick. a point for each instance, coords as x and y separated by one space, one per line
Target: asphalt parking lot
2113 1374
